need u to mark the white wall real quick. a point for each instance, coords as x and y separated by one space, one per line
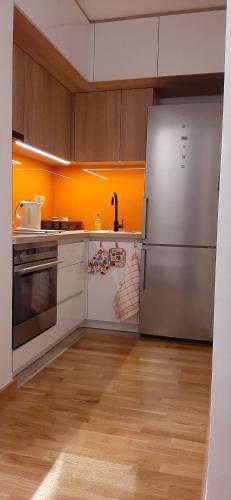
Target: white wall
6 45
219 471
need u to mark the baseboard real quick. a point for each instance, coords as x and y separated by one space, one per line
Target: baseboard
107 325
47 358
8 390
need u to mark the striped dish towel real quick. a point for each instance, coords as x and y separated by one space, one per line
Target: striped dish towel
126 300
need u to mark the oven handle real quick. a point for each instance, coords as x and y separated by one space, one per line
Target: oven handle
38 267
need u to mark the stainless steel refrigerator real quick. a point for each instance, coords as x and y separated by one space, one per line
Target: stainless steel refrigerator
180 220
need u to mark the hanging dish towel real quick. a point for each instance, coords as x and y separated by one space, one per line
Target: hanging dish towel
127 297
100 262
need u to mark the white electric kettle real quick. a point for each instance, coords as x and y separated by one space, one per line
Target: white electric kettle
29 214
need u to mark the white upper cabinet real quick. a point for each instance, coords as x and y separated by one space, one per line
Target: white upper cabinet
64 24
126 49
191 43
182 44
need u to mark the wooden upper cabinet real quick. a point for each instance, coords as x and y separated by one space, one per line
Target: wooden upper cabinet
18 89
47 114
134 114
97 126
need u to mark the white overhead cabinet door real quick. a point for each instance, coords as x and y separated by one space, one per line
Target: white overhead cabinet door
65 26
126 49
192 43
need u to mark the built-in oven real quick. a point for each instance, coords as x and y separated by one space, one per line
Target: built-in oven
34 290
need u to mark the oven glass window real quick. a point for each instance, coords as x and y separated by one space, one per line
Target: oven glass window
34 293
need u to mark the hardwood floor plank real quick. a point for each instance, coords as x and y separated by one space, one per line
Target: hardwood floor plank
115 417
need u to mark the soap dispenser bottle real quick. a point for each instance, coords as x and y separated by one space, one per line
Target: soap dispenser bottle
98 224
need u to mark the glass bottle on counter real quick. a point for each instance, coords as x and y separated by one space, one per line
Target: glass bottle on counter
98 224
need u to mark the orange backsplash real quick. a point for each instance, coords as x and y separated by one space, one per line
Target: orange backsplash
86 195
30 178
82 195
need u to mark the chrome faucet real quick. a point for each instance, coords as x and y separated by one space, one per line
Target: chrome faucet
114 202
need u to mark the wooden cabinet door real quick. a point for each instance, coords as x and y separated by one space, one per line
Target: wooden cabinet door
97 126
18 89
47 111
134 113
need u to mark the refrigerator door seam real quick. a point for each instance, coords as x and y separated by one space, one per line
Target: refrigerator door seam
145 243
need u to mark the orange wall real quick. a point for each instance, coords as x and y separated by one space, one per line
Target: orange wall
29 179
86 195
82 195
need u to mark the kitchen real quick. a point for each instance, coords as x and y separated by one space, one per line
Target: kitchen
99 234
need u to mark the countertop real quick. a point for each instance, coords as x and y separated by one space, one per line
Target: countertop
76 235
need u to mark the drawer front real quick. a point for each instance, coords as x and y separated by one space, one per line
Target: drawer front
70 281
71 313
71 253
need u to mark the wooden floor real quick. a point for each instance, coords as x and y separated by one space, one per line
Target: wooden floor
115 417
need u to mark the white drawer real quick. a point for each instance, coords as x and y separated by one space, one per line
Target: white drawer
71 313
71 253
70 281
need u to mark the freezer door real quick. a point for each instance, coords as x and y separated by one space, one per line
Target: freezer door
177 292
182 174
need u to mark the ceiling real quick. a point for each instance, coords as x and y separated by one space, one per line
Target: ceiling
97 10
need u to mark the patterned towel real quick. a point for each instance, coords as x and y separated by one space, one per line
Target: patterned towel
127 297
100 262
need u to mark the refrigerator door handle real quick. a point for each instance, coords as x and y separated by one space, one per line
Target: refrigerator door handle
143 269
145 218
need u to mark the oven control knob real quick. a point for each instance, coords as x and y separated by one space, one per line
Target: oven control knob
23 256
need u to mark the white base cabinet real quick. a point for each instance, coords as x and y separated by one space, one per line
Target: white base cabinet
71 253
71 291
71 281
81 296
101 289
71 295
69 316
71 313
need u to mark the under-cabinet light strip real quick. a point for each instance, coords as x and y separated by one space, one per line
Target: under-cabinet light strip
42 153
16 162
93 173
112 169
41 170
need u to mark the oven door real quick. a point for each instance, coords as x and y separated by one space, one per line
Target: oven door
34 300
